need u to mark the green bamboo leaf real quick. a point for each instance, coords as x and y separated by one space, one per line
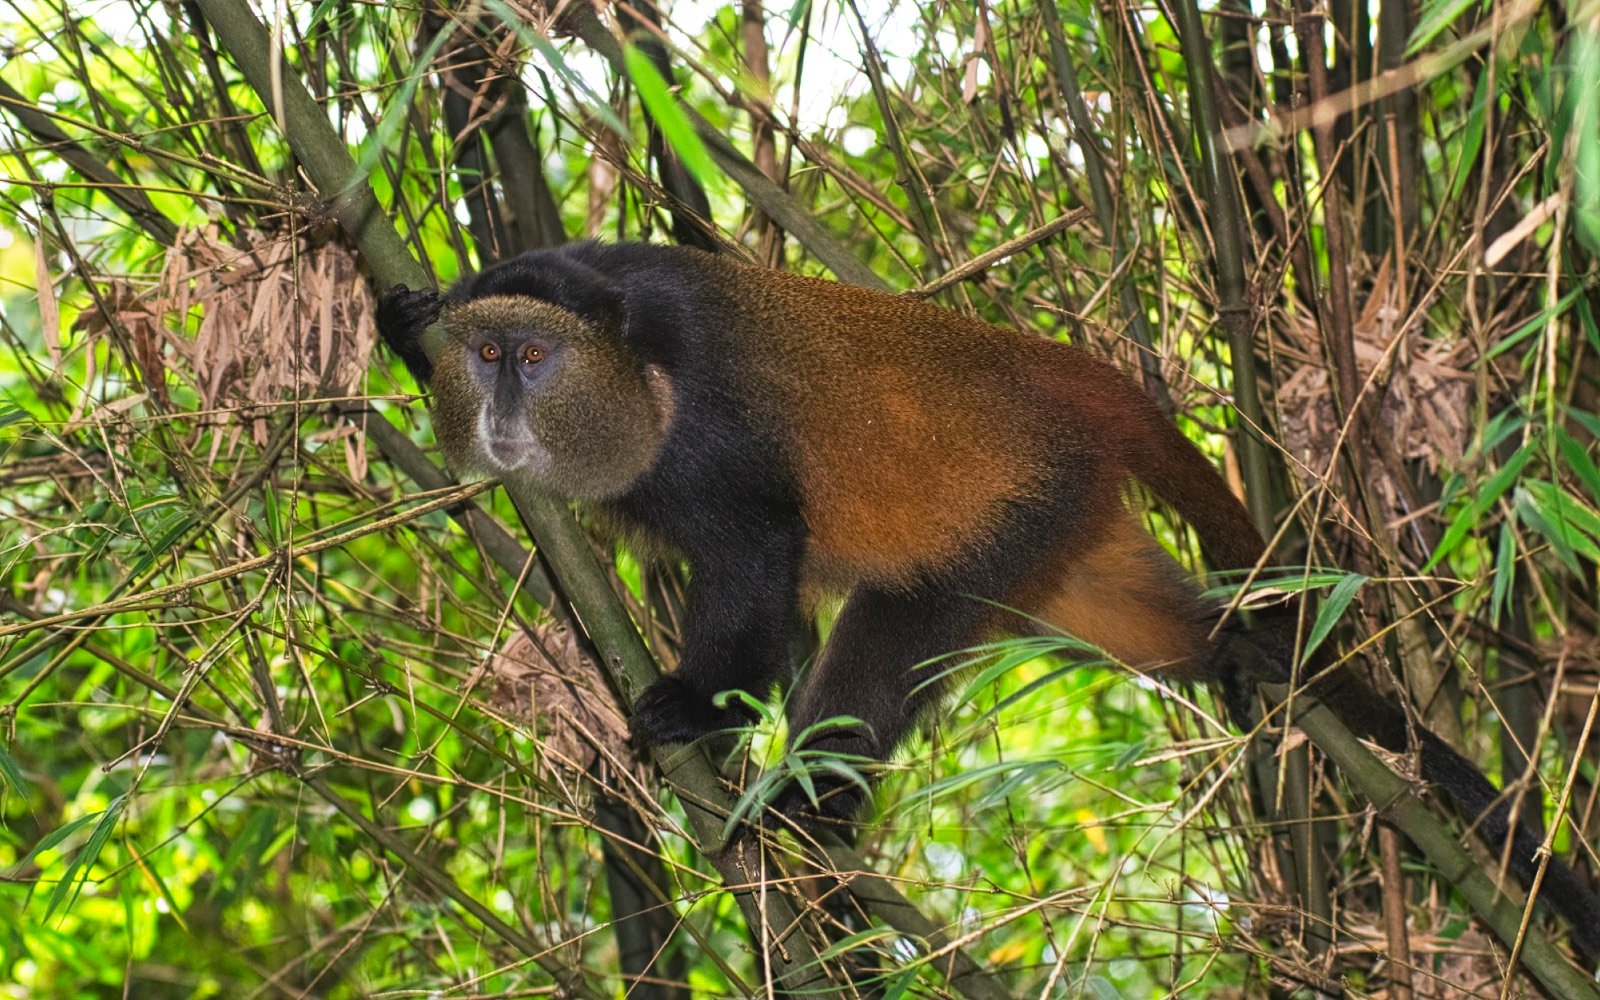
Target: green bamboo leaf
1587 319
899 985
251 848
1041 779
1539 322
755 798
149 871
10 771
1103 988
851 941
272 514
1500 428
1435 18
1274 580
1049 678
322 11
1504 569
797 13
1468 516
1556 532
669 118
822 726
980 775
1333 607
1578 460
1131 753
1472 136
1570 526
1588 421
53 838
1575 512
1583 106
66 891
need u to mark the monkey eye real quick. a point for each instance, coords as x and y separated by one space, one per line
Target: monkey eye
532 355
489 352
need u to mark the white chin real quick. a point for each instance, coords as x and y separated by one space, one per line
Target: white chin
501 454
503 457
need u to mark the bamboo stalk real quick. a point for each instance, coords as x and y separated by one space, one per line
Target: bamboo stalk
350 198
1228 226
1233 307
1394 915
763 140
1394 800
1105 205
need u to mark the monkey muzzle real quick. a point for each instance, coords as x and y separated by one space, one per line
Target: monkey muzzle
507 446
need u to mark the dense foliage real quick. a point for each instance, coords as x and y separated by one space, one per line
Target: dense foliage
280 714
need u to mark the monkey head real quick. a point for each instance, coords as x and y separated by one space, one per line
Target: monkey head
532 392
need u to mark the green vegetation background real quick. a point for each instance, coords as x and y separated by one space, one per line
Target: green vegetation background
1081 833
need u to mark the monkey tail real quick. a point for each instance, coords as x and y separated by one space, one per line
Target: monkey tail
1163 459
1378 718
1561 887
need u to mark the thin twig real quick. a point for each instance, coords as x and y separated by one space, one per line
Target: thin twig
989 258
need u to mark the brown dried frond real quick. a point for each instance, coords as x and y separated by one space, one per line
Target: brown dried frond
1424 386
265 322
546 681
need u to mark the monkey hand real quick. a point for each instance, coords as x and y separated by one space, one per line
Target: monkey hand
402 315
672 711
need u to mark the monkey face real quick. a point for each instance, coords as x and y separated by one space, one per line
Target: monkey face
527 391
507 369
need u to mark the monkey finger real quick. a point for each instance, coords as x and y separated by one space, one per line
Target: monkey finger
402 309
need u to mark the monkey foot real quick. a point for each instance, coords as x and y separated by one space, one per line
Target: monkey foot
833 800
838 803
672 711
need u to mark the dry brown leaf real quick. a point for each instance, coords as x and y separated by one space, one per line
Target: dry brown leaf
49 309
544 680
1424 389
248 326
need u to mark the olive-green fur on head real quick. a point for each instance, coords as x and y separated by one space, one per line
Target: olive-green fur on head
558 403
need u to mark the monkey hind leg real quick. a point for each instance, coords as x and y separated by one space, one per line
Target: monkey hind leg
884 666
1125 595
